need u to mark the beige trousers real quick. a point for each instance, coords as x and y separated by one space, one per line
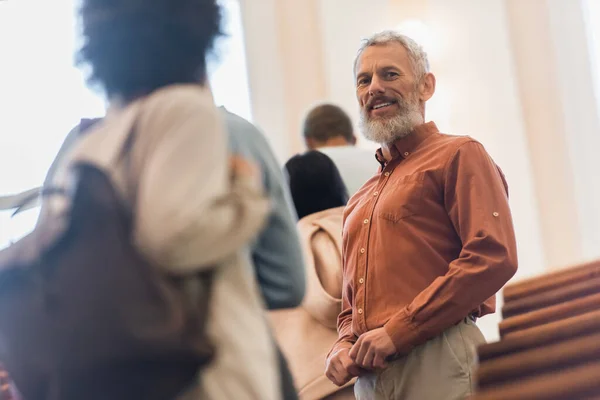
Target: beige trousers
440 369
346 393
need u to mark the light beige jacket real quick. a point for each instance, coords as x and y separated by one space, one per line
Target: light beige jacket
307 333
190 215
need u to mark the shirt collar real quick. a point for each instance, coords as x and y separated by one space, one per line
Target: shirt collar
408 144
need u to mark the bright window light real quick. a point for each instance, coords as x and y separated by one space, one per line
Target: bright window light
419 32
43 96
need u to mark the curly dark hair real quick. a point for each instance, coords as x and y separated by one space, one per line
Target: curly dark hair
137 46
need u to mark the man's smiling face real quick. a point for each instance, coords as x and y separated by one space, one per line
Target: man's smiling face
387 90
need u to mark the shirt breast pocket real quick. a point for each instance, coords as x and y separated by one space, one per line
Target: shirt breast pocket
402 198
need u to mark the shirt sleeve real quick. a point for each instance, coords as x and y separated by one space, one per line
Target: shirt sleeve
476 199
346 337
277 254
189 214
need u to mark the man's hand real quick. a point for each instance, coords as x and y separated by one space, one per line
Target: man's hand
372 348
341 368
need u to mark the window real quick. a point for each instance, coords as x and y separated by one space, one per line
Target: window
228 77
43 96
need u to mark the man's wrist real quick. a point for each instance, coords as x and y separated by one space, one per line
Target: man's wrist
404 334
340 346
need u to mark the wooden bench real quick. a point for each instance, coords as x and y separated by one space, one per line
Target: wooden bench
550 340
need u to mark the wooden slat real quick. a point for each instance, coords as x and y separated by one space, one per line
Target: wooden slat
550 281
550 346
543 335
540 360
550 314
577 383
551 297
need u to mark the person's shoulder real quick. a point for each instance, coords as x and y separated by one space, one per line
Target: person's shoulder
322 219
453 144
349 149
454 140
236 120
185 109
328 214
178 100
179 93
248 140
241 128
354 154
331 217
464 148
368 154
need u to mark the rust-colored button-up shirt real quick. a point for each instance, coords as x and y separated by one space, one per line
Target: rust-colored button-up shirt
427 241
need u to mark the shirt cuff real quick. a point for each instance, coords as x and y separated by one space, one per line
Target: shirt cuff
340 345
404 333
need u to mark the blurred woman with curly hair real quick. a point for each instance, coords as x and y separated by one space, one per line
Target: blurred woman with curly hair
195 207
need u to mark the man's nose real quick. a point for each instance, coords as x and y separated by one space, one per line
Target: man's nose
376 86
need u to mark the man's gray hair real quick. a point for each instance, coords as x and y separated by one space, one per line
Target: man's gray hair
418 57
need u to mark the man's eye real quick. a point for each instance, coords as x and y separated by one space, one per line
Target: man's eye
391 74
363 81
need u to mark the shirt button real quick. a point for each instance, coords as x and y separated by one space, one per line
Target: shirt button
362 251
387 174
366 221
406 153
376 194
360 310
361 280
495 214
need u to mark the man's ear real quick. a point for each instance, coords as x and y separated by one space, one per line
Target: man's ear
427 87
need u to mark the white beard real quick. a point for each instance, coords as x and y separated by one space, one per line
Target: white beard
388 130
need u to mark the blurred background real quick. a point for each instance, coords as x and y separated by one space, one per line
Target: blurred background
519 76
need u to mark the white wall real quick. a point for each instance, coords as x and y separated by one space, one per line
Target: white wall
539 93
342 32
283 47
265 71
580 108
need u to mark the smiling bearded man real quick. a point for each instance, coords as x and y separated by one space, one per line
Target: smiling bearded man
388 129
427 241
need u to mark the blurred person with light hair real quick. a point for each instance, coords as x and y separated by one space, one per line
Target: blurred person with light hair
427 241
328 129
